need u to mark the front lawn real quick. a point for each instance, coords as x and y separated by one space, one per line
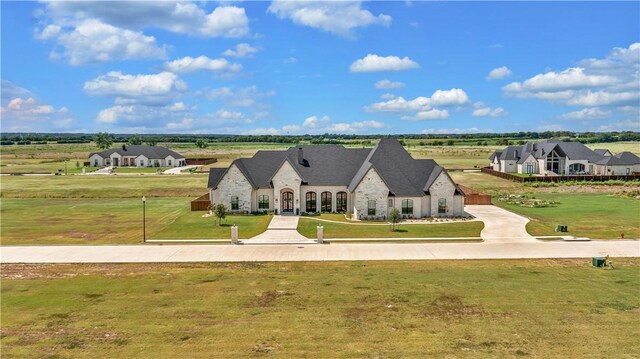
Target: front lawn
415 309
132 170
592 215
191 225
307 227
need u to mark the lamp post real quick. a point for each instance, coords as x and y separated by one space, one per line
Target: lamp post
144 219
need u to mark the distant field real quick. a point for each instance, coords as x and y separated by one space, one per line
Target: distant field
592 215
432 309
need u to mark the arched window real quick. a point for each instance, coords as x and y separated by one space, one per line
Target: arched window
311 201
576 167
263 201
234 203
407 206
341 202
371 208
325 202
442 205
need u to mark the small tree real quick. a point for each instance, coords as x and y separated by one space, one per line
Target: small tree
152 142
201 143
395 218
220 212
103 140
134 140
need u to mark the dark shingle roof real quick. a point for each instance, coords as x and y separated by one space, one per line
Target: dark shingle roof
602 151
571 150
335 165
150 152
621 159
215 175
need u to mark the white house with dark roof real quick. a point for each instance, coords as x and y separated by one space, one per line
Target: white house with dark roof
332 178
553 157
137 156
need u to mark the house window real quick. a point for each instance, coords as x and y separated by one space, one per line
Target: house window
263 202
407 206
311 201
156 163
325 202
553 162
234 203
628 171
576 168
141 163
390 202
170 163
341 201
372 208
531 167
95 163
442 205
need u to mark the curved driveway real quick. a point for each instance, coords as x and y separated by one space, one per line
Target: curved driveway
500 225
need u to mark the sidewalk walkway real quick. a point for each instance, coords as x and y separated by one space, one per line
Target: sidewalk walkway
316 252
178 170
281 230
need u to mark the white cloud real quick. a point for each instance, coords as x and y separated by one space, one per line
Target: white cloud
438 98
201 63
263 131
482 110
336 17
354 127
290 60
387 85
92 41
449 97
613 80
374 63
593 113
27 108
184 124
241 97
9 91
241 50
446 131
387 96
176 16
128 89
315 122
625 125
433 114
499 73
553 127
18 112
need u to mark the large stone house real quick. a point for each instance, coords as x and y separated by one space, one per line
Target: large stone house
553 157
137 156
331 178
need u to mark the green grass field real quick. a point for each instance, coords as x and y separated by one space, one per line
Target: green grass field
307 227
442 309
592 215
112 221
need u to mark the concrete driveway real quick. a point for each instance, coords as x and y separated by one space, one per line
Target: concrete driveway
500 225
281 230
178 170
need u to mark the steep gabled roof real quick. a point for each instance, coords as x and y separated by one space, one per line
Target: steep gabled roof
495 154
621 159
150 152
602 152
215 175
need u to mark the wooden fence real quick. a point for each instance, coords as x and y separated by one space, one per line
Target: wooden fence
509 176
471 196
201 203
200 161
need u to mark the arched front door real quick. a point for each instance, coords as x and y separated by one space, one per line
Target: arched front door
287 202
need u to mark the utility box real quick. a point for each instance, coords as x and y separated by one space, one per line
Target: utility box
598 262
562 228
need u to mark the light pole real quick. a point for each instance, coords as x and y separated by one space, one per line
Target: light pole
65 166
144 219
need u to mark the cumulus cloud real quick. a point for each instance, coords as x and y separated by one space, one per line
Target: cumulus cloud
482 110
387 85
176 16
593 113
315 122
613 80
625 125
27 107
9 91
321 124
241 50
354 127
433 114
499 73
375 63
92 41
441 98
453 131
241 97
129 89
201 63
449 97
21 111
336 17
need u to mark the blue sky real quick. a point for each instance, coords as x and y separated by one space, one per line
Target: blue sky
317 67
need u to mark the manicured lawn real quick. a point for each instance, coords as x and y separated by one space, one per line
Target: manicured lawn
485 183
307 227
97 186
112 221
592 215
329 216
420 309
191 225
128 170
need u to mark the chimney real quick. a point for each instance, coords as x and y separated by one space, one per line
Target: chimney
300 156
124 147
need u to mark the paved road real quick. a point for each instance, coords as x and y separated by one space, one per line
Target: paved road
500 225
315 252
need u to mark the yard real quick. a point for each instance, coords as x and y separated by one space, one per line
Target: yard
307 227
592 215
459 309
112 220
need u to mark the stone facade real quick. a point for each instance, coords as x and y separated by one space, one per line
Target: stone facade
287 179
372 187
444 188
234 183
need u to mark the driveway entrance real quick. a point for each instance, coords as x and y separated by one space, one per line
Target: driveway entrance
500 225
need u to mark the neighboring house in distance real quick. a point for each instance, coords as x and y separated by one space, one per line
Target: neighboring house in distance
331 178
553 157
137 156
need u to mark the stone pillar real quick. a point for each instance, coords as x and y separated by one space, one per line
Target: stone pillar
320 234
234 234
